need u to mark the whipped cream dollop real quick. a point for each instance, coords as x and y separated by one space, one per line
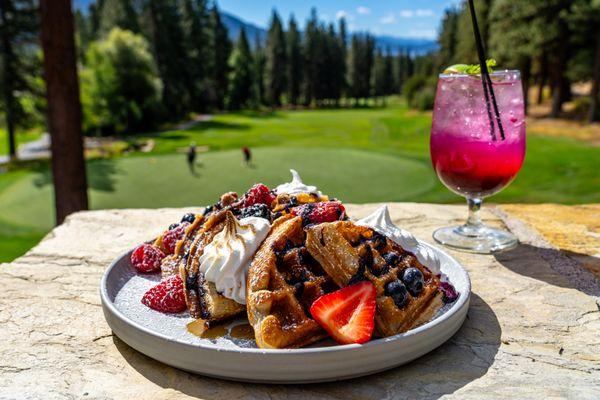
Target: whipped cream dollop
226 258
381 221
296 186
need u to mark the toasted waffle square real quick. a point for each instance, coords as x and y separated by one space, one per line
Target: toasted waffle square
350 253
283 282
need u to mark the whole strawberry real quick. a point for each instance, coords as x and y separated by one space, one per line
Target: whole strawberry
147 258
258 194
167 296
316 213
172 236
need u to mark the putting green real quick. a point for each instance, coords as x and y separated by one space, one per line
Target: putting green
165 181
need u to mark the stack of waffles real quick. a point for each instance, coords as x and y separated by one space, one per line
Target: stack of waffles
274 254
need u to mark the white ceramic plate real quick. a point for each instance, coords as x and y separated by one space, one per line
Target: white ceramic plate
166 339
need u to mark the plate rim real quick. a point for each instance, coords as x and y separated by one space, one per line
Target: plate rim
108 304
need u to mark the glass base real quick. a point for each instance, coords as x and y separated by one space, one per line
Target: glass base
476 239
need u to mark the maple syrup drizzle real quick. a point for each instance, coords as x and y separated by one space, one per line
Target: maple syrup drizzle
200 328
243 331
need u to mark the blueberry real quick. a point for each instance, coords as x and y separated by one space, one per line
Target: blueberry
173 226
398 292
189 217
391 258
378 240
413 279
394 287
257 210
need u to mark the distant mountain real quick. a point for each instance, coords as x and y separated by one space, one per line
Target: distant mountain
234 24
414 46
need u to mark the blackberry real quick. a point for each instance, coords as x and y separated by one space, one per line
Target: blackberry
189 217
257 210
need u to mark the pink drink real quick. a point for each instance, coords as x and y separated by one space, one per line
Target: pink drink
464 156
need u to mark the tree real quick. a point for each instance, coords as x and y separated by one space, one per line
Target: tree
466 51
584 22
120 86
117 13
379 75
343 55
194 20
18 33
240 78
64 108
310 58
295 62
219 68
447 38
258 71
171 57
361 65
276 61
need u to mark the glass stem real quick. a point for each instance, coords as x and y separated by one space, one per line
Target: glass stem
474 219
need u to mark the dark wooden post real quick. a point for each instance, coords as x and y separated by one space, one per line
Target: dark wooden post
64 107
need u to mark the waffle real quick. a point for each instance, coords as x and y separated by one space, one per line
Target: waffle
350 253
283 282
202 298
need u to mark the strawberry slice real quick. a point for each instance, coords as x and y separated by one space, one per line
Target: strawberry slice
348 314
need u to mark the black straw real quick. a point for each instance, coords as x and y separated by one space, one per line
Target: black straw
488 90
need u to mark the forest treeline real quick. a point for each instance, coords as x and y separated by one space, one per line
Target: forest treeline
144 62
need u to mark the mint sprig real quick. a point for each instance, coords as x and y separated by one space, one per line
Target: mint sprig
471 69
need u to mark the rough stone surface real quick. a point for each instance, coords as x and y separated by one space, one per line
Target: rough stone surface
531 332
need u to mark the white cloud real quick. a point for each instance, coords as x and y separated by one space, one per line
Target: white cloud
341 14
388 19
425 13
423 33
363 10
406 13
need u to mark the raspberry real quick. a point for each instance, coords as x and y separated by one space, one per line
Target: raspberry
316 213
172 236
258 194
167 296
147 258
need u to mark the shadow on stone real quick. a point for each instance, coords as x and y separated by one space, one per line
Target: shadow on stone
464 358
559 268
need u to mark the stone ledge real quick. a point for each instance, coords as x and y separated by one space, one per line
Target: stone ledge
531 332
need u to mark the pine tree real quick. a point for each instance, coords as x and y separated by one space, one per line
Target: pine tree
466 51
258 70
240 78
343 56
361 65
276 61
310 58
294 64
118 13
390 81
221 50
379 75
18 32
447 38
170 55
194 21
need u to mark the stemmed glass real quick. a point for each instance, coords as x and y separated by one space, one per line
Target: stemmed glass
475 156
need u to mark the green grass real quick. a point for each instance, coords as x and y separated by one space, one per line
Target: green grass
358 155
22 137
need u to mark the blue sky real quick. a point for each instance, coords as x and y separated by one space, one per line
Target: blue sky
405 18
